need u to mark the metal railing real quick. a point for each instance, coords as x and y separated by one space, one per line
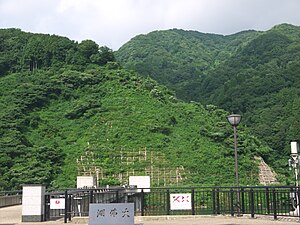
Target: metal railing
10 198
273 200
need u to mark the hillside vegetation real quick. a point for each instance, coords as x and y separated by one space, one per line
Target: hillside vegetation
180 59
252 73
60 98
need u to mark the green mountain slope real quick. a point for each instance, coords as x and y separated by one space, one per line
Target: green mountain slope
179 59
262 82
52 117
256 76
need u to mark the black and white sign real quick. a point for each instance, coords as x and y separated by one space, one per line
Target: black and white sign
180 201
111 214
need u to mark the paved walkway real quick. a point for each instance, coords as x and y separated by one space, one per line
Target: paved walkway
12 216
219 220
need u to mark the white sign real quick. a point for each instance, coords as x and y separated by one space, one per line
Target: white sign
180 201
140 182
111 214
57 203
86 181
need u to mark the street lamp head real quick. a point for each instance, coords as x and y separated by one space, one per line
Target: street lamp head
294 147
234 119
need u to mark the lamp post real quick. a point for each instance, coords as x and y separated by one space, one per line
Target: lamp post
294 162
234 120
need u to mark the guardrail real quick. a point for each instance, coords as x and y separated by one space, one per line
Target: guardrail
10 198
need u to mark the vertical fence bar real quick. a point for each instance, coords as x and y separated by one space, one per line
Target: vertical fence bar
117 196
243 200
151 204
91 196
218 200
258 205
66 207
168 202
46 205
274 204
142 202
193 201
251 203
214 201
69 207
231 202
258 200
267 200
291 197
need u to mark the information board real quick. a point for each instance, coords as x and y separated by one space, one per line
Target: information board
180 201
57 203
140 182
111 214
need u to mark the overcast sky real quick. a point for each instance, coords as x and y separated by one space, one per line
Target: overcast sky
114 22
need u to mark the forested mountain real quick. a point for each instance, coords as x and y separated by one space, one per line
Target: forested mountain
60 99
180 59
252 73
261 81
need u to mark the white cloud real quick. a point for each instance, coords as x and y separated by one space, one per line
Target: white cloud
113 22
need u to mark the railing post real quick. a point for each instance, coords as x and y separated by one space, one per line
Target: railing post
268 200
66 207
47 202
91 196
251 203
168 202
117 196
214 201
193 201
69 207
218 200
231 202
142 202
243 200
274 204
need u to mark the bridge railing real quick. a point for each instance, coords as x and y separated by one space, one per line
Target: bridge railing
274 201
10 198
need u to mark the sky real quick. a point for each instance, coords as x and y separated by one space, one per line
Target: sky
112 23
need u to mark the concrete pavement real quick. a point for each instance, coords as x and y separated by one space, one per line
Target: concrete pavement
12 216
219 220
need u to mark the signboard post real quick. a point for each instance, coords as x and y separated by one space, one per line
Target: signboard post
111 214
180 201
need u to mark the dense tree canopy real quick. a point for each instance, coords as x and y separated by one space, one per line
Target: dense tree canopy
252 73
59 98
20 51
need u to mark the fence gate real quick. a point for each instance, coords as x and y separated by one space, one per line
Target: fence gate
55 204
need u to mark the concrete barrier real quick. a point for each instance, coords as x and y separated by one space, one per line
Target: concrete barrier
10 200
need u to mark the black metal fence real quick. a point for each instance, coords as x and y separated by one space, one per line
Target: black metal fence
275 201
